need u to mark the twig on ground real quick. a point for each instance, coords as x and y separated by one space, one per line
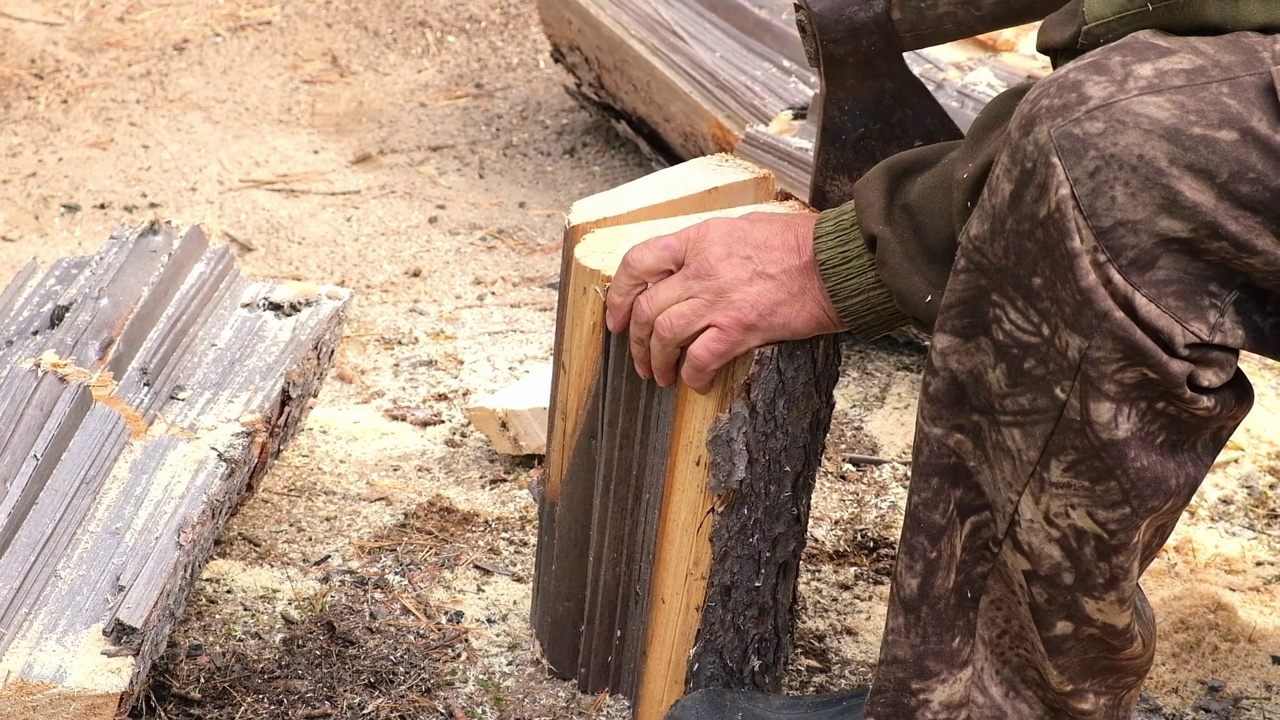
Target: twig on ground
223 32
431 175
34 21
248 183
245 243
8 70
309 191
413 608
866 460
456 96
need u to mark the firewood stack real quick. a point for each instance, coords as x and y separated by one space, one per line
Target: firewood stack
672 523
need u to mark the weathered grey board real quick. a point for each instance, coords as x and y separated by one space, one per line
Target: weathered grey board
693 77
144 390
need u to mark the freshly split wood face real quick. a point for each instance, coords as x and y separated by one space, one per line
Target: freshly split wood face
633 539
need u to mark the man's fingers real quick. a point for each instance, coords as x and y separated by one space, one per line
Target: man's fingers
672 331
647 263
646 309
713 349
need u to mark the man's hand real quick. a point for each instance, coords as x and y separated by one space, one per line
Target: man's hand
717 290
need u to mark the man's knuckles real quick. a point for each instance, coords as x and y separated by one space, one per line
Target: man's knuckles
667 330
712 351
643 313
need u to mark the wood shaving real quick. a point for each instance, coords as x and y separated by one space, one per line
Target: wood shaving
101 385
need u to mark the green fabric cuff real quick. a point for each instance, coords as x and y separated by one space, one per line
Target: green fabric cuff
848 270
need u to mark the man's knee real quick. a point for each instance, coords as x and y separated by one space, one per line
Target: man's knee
1169 146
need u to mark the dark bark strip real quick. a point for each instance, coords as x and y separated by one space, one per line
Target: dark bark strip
764 455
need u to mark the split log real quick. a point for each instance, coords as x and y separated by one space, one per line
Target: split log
709 183
685 78
690 511
515 418
146 389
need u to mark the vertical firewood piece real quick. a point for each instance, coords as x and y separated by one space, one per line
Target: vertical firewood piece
560 582
721 518
634 461
689 507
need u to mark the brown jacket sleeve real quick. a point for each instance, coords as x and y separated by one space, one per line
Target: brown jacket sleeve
885 257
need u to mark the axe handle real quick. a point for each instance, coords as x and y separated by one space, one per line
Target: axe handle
921 23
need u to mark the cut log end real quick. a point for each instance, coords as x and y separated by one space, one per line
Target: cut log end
515 418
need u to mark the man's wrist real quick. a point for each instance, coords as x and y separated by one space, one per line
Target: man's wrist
848 271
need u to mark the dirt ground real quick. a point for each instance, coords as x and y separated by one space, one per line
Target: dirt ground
421 153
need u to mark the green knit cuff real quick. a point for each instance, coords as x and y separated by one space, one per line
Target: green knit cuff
848 270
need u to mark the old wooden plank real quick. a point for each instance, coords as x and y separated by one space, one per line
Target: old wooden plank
22 283
690 78
106 524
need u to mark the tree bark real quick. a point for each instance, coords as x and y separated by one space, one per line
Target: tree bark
765 454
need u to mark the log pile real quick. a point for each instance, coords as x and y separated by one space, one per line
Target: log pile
687 78
671 524
145 390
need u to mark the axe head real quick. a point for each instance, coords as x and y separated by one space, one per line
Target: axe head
869 105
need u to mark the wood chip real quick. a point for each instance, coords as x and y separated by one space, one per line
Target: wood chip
415 416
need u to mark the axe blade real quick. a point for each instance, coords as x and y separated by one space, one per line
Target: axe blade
869 105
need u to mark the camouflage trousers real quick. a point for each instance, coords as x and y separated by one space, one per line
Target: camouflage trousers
1083 378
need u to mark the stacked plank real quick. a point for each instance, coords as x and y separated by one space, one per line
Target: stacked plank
672 523
688 78
144 391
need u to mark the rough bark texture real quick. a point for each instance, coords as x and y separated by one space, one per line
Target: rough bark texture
765 454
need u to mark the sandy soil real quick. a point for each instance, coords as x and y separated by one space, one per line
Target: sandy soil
421 153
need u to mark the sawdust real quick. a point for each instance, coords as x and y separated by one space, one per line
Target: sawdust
77 665
25 700
257 580
892 424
